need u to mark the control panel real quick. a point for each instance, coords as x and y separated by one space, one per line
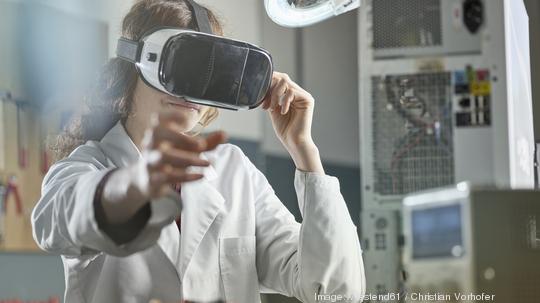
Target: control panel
472 244
472 97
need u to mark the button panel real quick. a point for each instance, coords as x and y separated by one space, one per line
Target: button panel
472 97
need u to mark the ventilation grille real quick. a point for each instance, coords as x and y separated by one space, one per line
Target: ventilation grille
412 137
411 23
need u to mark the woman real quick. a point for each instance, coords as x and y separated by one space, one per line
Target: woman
109 208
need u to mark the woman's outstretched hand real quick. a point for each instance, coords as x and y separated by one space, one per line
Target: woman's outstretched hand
291 111
168 154
168 157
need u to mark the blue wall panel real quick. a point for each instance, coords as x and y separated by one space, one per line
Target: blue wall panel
280 173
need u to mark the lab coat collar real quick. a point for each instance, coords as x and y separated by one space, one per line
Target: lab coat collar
201 201
119 147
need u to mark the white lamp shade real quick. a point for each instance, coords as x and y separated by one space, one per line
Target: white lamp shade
297 13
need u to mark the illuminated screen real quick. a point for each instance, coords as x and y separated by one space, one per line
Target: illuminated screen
436 232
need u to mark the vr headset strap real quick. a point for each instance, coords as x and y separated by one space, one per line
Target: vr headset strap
128 50
201 17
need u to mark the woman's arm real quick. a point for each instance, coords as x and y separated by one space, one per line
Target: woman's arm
307 158
291 111
322 256
88 207
64 219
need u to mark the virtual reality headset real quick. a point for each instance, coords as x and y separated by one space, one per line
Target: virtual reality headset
201 67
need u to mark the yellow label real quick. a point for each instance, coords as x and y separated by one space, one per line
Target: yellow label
482 88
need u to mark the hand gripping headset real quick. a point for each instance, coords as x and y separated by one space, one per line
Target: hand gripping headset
199 66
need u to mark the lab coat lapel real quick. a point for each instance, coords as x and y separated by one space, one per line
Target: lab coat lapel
201 203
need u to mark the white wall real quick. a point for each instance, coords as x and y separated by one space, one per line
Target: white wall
113 12
331 75
282 43
329 72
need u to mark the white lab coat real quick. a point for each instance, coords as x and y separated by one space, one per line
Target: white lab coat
237 238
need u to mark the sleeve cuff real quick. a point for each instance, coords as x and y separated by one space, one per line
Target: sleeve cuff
86 228
119 233
314 184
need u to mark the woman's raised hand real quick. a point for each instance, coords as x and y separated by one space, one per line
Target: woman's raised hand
291 111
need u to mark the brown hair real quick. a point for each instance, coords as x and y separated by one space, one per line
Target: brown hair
111 96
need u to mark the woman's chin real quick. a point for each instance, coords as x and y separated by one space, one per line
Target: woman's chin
187 117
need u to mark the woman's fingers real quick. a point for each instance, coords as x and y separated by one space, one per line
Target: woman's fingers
283 92
178 159
175 139
214 139
288 98
174 177
277 93
165 134
163 180
268 98
169 153
277 80
165 156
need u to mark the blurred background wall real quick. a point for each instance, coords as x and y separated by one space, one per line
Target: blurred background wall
51 50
